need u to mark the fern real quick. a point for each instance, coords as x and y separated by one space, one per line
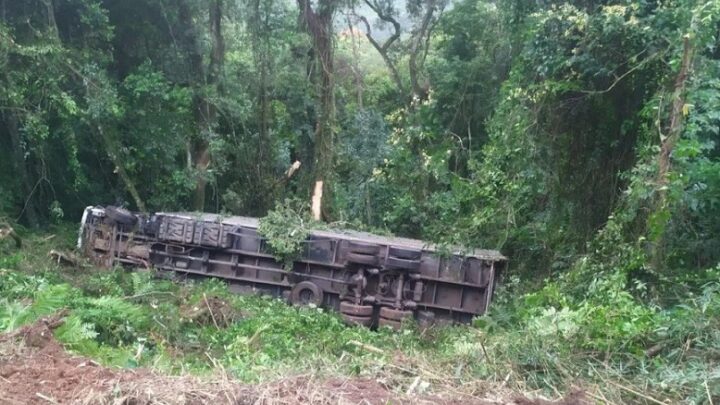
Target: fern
49 300
12 315
116 320
19 285
117 307
142 283
74 331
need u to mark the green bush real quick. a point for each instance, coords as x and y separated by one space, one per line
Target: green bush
285 229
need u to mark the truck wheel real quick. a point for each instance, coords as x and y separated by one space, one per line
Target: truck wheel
120 216
348 308
306 293
394 314
425 319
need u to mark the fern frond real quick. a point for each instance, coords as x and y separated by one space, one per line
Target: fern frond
74 331
142 283
12 315
49 300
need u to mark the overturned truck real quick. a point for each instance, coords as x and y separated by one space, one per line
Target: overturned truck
371 280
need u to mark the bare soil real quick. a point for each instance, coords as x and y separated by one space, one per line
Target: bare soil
36 369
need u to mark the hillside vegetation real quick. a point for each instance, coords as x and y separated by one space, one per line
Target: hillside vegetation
578 137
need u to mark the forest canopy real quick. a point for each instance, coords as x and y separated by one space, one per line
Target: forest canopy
525 126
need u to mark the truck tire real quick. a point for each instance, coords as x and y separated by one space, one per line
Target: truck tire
395 314
425 319
120 216
306 293
348 308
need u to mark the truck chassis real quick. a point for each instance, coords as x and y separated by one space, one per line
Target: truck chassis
371 280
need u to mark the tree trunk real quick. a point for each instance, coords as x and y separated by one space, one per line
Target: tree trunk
30 209
52 24
676 115
201 163
422 35
205 112
260 43
667 145
419 45
319 26
111 147
356 65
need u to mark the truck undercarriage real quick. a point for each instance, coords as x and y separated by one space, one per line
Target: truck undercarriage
371 280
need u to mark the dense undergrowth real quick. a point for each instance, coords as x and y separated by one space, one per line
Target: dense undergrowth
610 343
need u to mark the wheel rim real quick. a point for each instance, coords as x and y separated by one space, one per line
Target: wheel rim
306 296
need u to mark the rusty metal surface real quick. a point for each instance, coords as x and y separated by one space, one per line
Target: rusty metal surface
379 280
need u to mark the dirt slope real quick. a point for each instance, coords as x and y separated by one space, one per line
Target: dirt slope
35 369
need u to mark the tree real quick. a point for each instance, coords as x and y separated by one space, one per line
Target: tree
425 15
319 24
206 80
385 12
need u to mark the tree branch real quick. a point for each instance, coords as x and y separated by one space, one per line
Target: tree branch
387 18
383 50
419 36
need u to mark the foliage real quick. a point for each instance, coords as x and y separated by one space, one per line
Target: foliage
546 339
286 229
610 334
114 315
45 302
